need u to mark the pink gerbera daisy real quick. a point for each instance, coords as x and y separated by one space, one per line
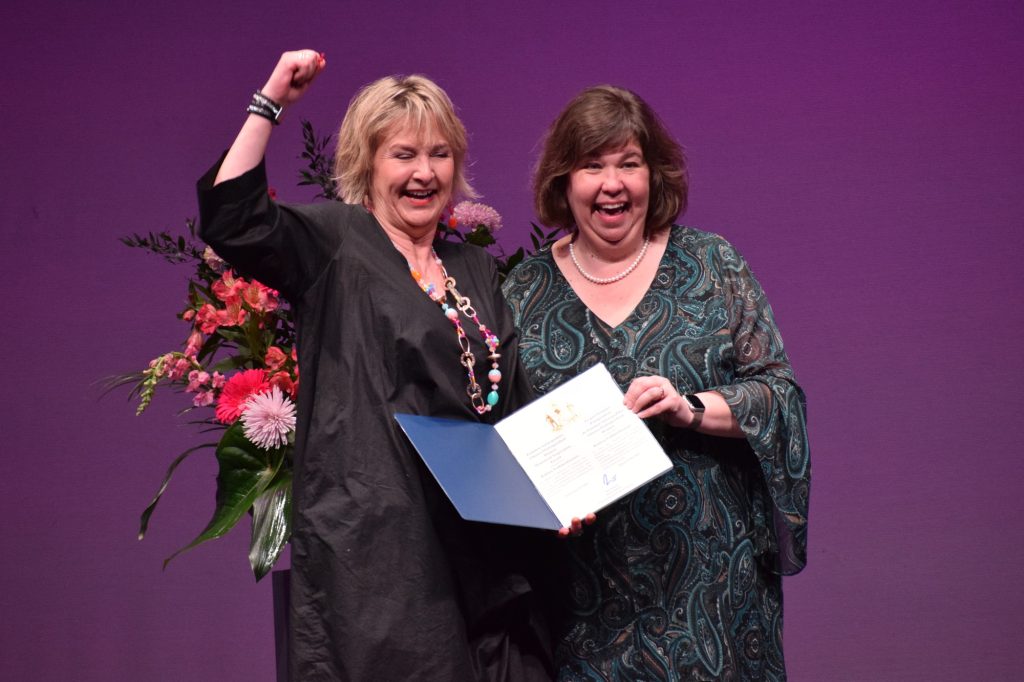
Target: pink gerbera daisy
268 418
237 390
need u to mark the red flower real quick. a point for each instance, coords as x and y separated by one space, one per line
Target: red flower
275 358
237 390
259 297
227 288
206 319
284 382
194 343
231 316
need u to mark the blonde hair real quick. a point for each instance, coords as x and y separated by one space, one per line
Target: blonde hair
374 112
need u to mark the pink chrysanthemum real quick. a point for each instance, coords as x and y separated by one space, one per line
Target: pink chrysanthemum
471 215
268 418
237 390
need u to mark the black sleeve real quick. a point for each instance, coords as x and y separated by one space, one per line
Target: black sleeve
283 246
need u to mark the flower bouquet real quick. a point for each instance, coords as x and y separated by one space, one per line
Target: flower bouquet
238 361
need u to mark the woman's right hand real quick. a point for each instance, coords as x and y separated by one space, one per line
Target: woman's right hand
292 76
576 526
286 85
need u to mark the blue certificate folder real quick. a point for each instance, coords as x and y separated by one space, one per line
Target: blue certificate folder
478 472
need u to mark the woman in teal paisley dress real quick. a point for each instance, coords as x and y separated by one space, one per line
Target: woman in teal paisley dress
680 580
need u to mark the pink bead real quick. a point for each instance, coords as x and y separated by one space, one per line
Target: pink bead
494 376
452 314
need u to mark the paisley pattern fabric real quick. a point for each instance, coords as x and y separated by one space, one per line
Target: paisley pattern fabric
682 579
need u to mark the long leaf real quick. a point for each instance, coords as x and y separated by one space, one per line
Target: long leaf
119 380
230 364
271 525
148 511
245 472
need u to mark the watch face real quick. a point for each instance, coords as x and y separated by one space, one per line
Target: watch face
695 402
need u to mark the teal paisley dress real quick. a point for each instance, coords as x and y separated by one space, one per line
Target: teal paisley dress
681 580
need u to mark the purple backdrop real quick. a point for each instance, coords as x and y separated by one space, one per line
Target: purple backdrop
866 157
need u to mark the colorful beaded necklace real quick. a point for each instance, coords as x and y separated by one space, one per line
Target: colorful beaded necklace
463 304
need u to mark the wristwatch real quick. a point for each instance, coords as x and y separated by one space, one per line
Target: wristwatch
697 407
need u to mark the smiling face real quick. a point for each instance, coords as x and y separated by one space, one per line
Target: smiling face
413 169
608 195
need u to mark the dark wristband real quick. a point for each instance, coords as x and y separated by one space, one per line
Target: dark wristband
261 105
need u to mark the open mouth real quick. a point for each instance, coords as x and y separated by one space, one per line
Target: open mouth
419 194
612 209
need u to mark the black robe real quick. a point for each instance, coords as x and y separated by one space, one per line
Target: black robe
387 582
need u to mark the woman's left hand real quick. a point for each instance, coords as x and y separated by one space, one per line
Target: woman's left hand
655 396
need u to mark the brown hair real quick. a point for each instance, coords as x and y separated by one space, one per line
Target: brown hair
373 113
604 118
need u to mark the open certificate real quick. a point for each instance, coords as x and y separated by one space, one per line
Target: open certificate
571 452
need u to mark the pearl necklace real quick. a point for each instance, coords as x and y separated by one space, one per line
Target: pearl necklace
467 359
614 278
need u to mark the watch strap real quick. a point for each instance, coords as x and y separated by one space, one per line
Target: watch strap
696 407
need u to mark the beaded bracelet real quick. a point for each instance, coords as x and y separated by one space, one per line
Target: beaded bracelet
261 105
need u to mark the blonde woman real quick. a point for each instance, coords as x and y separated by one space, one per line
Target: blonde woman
388 583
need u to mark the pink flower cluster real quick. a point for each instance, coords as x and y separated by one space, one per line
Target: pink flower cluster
229 395
240 298
471 215
231 312
205 386
171 365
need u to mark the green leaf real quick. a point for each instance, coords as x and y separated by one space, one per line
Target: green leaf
320 162
232 333
515 259
480 237
271 524
245 472
148 511
135 379
230 364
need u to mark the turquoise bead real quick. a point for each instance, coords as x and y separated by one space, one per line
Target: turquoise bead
492 398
